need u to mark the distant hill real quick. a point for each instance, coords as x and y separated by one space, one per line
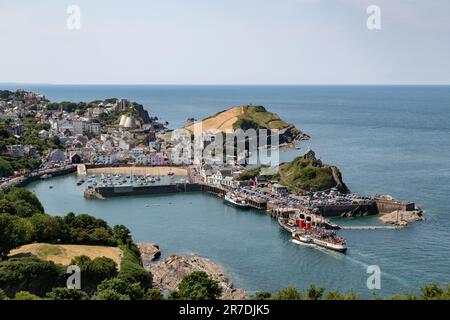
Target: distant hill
251 117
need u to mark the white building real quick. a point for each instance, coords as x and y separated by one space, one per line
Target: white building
105 158
221 177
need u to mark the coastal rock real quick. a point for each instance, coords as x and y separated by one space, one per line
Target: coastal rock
168 274
402 218
149 252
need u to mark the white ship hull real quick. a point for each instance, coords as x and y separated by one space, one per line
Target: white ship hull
234 202
332 246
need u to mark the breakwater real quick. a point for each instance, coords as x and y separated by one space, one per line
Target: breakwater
121 191
378 205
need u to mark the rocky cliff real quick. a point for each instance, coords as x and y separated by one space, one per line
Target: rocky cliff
168 274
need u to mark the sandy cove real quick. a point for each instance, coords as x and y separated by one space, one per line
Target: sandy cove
154 171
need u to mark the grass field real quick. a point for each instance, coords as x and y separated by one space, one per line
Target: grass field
232 119
223 121
64 253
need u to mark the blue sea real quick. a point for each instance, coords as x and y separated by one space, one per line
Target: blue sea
385 139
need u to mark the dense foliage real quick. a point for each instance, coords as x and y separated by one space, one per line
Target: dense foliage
131 268
94 271
197 286
22 221
6 168
30 274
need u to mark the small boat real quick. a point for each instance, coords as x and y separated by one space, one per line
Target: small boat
235 201
46 176
170 174
79 183
302 237
50 187
287 225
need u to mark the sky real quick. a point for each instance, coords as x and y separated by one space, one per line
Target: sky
225 42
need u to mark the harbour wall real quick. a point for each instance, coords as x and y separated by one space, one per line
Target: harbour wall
390 205
120 191
336 210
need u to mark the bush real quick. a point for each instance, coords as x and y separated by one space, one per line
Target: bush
7 206
66 294
25 295
24 209
14 232
6 169
262 295
94 271
198 286
110 295
23 194
131 290
48 229
131 268
154 294
30 274
288 294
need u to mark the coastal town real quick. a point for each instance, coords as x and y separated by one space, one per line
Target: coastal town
118 149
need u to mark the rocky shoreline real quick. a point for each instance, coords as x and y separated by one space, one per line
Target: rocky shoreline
168 273
402 218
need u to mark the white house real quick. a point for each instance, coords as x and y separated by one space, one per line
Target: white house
105 158
221 177
137 152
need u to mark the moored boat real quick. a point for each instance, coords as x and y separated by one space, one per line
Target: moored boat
235 201
302 237
287 225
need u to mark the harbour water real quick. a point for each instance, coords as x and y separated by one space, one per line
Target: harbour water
389 140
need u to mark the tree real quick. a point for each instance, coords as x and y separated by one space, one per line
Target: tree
5 168
24 209
288 294
110 295
30 274
122 234
122 287
7 206
337 295
47 228
432 292
154 294
314 293
25 295
23 194
66 294
14 232
102 268
198 286
262 295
